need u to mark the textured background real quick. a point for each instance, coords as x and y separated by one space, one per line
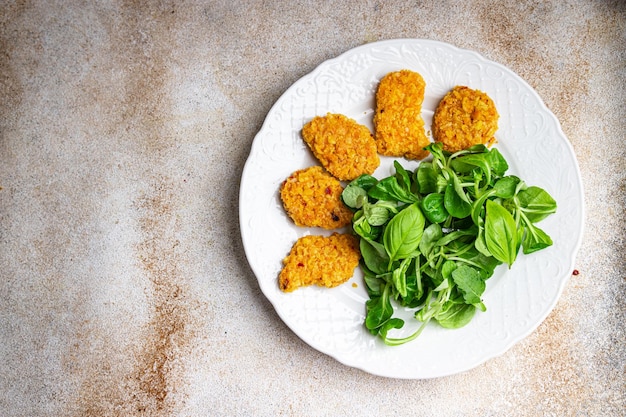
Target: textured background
124 128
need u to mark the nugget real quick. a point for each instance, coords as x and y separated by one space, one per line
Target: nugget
398 122
312 198
463 118
320 260
345 148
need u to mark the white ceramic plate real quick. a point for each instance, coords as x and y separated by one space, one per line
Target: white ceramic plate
331 320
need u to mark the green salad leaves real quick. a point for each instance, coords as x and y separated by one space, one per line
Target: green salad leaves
431 238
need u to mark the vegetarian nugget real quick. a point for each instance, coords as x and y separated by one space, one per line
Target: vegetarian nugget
463 118
398 123
312 198
344 147
320 260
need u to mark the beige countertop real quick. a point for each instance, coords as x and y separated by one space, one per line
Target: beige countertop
124 129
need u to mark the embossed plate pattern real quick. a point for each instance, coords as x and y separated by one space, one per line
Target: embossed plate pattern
331 320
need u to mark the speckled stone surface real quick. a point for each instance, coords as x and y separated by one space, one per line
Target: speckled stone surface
124 128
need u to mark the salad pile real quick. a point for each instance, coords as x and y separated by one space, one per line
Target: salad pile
431 238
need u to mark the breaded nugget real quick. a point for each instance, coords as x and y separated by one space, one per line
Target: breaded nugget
320 260
345 148
463 118
312 198
398 122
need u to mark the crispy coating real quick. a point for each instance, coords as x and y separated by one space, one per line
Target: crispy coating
398 122
463 118
312 198
344 147
320 260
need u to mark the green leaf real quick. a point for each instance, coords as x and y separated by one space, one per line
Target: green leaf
466 163
426 177
457 234
536 203
398 277
430 236
350 196
447 269
394 323
434 208
362 228
454 315
534 239
365 181
455 205
505 187
374 284
402 176
379 310
470 283
403 233
377 214
500 233
478 205
455 200
497 162
480 244
485 264
374 256
456 183
436 150
415 288
390 190
357 188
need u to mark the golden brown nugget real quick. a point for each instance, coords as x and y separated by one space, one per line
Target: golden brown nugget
312 198
463 118
398 122
344 147
326 261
